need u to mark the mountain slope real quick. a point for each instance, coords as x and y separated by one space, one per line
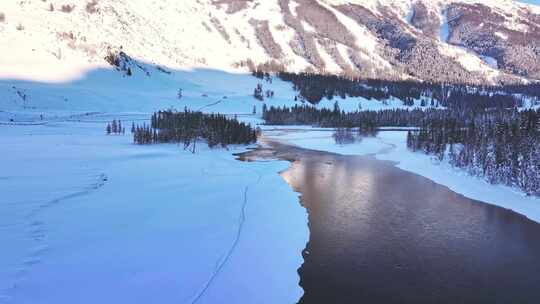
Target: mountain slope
478 41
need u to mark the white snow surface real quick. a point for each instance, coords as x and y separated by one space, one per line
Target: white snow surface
108 91
90 218
391 146
56 46
110 222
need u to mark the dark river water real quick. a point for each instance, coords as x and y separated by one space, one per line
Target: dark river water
382 235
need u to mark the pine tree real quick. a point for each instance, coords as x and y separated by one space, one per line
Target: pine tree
114 127
336 107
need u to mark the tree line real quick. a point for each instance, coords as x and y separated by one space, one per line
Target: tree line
366 120
314 87
189 127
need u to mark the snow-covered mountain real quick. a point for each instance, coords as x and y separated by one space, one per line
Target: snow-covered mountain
444 40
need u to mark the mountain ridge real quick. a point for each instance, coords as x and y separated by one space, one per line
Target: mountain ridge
477 42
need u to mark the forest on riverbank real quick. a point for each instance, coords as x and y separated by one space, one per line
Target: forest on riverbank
500 145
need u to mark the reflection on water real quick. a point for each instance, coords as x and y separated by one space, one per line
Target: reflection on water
382 235
346 136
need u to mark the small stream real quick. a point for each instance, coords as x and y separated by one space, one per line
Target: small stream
379 234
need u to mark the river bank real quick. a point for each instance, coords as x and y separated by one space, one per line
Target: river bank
379 234
392 146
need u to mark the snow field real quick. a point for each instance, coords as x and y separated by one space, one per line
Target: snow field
107 91
111 222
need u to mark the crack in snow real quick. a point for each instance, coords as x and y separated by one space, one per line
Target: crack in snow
100 182
224 261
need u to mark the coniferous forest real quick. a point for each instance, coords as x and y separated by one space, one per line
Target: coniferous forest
500 145
366 120
314 87
189 127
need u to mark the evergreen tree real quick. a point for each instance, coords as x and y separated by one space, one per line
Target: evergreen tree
258 92
114 127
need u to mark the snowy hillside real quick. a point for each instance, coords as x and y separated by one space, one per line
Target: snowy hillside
59 40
